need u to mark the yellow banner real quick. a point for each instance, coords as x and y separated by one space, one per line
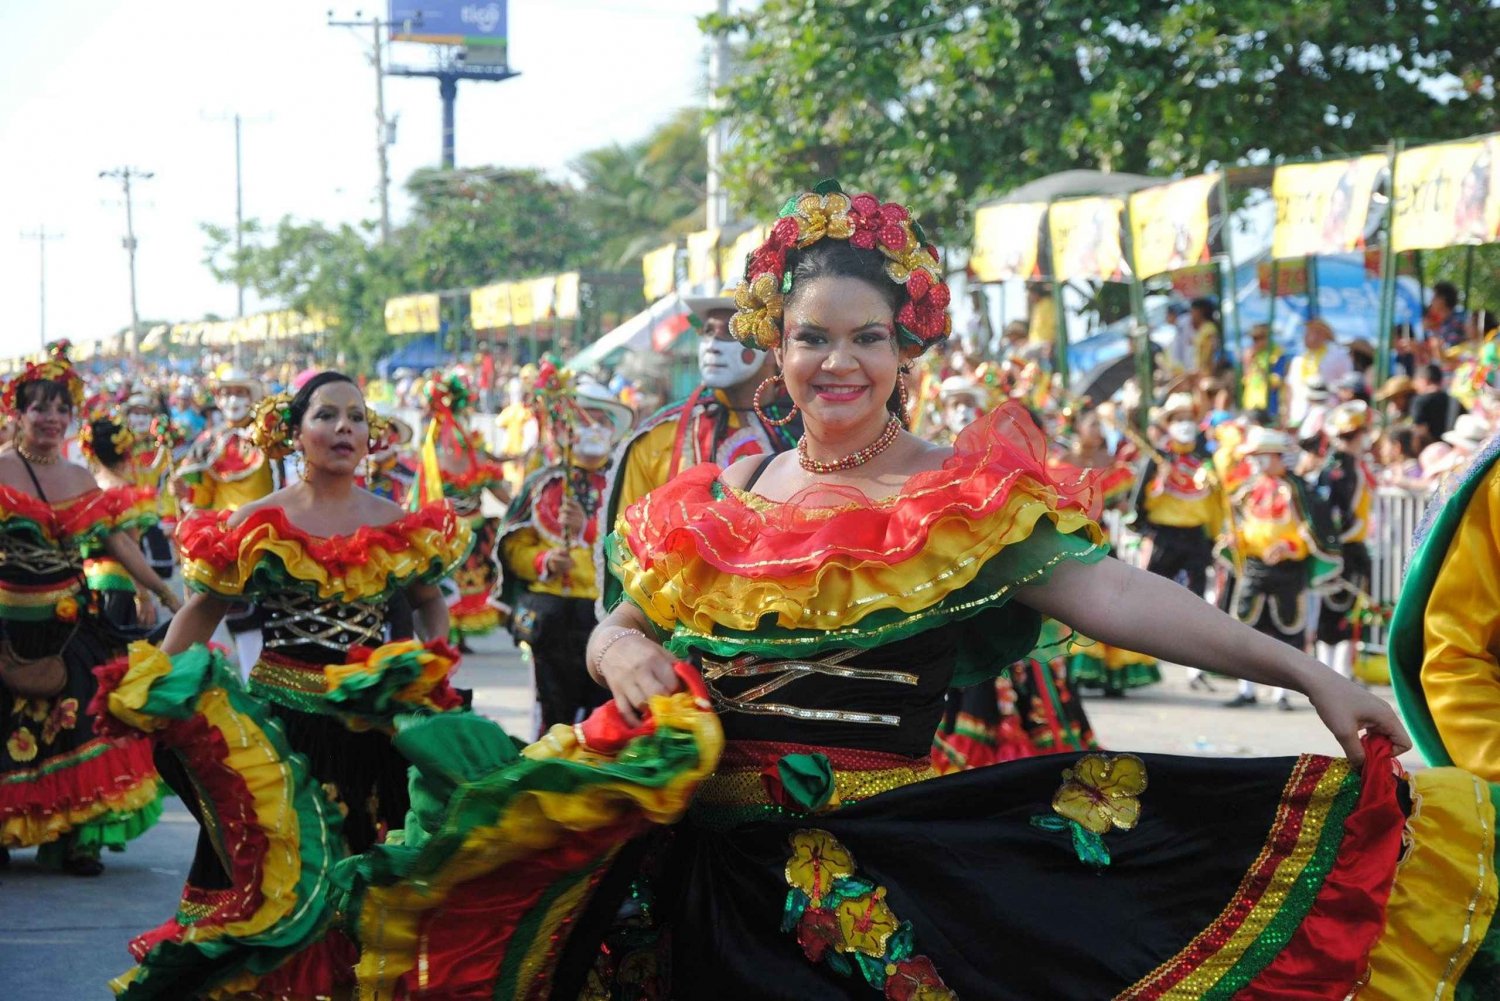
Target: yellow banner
1169 224
522 309
1007 239
1323 208
567 296
1446 195
1086 239
543 291
703 258
659 267
412 314
489 306
733 257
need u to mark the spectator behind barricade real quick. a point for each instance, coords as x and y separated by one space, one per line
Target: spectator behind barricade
1016 341
1181 351
1264 367
1396 454
1322 360
1468 436
1362 357
1395 398
1352 387
1442 323
1041 314
1203 314
1433 410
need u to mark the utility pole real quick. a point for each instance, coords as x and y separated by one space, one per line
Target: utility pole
382 132
41 236
239 207
124 175
718 58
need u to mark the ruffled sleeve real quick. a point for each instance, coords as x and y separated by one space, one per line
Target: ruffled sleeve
727 572
266 553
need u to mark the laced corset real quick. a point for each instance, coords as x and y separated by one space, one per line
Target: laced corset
315 630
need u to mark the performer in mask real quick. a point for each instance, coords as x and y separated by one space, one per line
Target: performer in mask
546 554
741 409
149 465
1180 505
1346 486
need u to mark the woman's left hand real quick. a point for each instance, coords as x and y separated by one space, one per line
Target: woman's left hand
1346 709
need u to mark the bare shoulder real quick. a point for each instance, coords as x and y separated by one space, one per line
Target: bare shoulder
75 479
378 511
925 455
274 499
739 473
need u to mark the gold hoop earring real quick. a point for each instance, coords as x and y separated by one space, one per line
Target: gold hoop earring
755 402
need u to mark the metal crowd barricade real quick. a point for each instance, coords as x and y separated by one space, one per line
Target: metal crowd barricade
1394 516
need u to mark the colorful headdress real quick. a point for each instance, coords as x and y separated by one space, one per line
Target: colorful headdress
57 368
827 213
271 426
449 394
122 438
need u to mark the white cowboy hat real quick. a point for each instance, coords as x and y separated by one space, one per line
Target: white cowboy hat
957 385
1178 402
1263 440
592 396
1469 432
702 305
240 379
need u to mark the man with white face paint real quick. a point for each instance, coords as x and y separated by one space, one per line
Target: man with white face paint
223 471
717 423
546 555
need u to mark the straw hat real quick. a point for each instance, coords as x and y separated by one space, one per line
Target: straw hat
1395 386
1469 432
1347 418
592 396
1262 441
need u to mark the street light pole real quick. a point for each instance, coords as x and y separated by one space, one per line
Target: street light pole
41 236
717 214
124 175
239 224
382 129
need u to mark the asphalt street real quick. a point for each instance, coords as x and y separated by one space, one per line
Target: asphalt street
63 937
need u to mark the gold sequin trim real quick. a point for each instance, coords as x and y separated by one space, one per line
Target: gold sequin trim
308 681
745 788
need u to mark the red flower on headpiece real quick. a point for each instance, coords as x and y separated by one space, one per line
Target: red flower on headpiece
766 260
925 313
783 235
876 224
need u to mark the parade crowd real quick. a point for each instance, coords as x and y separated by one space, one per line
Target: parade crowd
801 608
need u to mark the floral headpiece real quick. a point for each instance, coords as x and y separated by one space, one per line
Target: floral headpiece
450 394
57 368
271 426
121 438
827 213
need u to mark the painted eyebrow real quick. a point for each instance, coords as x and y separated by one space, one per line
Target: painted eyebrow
878 324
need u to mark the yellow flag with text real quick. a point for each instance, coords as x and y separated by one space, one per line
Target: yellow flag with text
1007 240
1446 195
1170 224
1323 208
1086 239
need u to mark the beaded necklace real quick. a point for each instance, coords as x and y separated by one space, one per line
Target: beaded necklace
887 438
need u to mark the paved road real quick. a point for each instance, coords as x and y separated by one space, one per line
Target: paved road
62 938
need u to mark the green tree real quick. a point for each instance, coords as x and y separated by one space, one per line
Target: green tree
635 195
944 103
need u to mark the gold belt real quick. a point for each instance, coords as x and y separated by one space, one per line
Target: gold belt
784 672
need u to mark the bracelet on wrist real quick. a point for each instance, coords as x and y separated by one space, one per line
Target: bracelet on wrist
621 633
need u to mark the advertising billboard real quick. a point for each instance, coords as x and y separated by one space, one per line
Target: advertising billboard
470 23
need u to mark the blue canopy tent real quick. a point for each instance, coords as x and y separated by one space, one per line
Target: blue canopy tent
422 353
1348 299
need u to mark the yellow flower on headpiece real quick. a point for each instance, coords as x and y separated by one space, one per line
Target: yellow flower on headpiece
757 315
1100 793
823 215
910 258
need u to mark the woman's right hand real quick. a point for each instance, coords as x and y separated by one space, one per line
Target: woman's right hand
635 668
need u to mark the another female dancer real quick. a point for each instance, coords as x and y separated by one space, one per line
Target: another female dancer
322 558
62 787
454 464
109 446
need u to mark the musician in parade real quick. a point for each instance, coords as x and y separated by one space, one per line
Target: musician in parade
546 551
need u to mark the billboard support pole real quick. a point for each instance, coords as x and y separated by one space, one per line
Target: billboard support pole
448 91
1233 279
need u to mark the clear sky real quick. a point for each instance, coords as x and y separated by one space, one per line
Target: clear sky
91 85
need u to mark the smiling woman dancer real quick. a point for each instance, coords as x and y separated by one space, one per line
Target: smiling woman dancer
62 787
827 598
322 558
